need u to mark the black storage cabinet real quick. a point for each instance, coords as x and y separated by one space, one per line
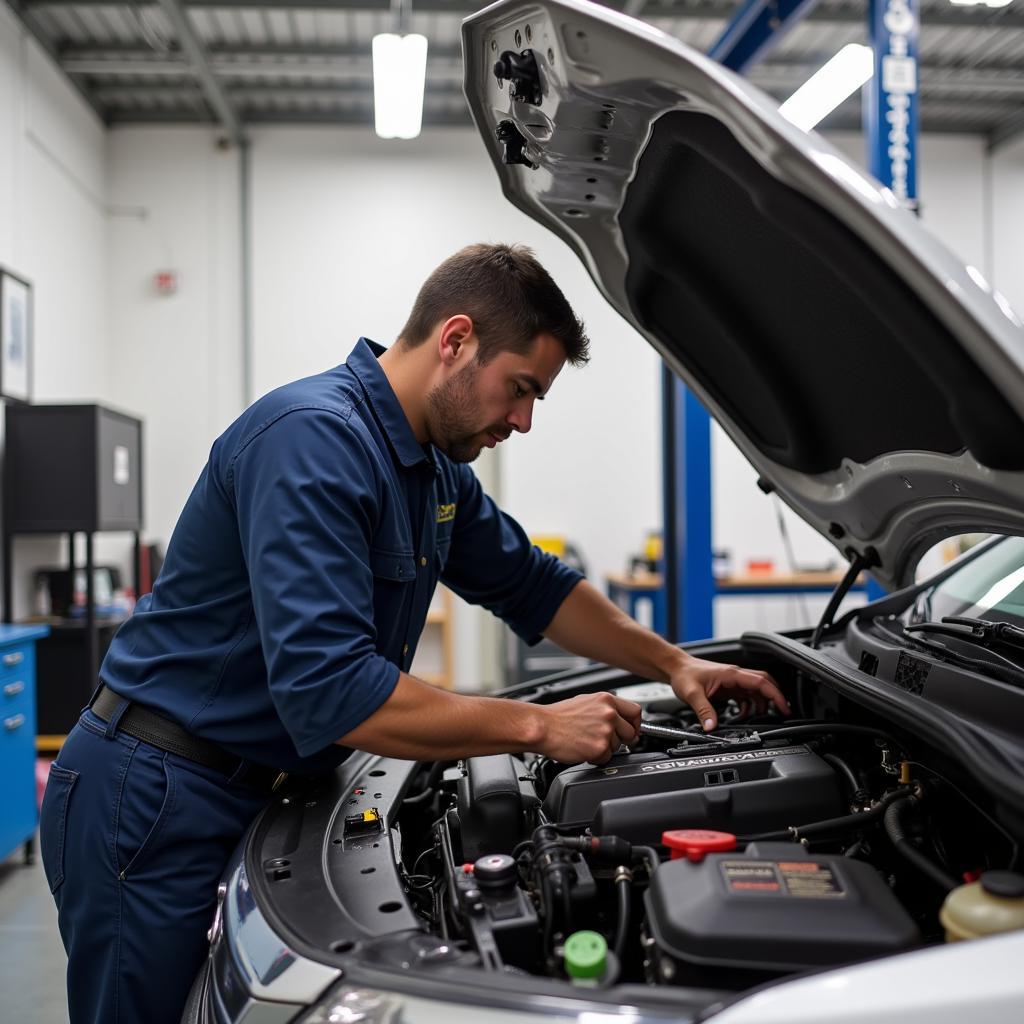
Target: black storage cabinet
70 469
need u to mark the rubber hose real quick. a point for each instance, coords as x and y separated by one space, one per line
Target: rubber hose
826 727
857 793
622 925
847 821
853 820
649 856
896 830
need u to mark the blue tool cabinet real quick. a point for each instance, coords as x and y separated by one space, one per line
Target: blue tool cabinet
18 737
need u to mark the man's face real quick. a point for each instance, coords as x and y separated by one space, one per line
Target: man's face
481 404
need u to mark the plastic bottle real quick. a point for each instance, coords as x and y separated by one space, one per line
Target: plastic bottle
993 904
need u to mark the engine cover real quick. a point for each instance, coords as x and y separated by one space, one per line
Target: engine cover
639 796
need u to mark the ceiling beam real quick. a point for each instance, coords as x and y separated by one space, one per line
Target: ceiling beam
287 91
361 116
340 70
934 79
288 55
756 29
697 10
139 51
355 65
193 50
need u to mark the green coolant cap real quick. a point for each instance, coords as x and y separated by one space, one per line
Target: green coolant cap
585 955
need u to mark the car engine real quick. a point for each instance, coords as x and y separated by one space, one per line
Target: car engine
770 847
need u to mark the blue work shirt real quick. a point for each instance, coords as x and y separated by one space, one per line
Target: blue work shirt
298 577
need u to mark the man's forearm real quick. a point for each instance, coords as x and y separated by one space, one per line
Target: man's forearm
590 625
419 722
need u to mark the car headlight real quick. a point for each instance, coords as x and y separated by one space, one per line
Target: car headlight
348 1004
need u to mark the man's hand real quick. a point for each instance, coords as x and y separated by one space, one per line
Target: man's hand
696 681
587 728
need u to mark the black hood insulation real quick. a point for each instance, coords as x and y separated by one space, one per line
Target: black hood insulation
704 224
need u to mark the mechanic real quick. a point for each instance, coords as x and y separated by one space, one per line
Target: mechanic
280 633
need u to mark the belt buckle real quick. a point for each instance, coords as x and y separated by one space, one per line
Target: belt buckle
279 781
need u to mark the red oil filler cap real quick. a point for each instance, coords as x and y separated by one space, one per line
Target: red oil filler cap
695 843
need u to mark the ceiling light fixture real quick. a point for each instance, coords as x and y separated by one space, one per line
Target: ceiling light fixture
981 3
839 79
399 77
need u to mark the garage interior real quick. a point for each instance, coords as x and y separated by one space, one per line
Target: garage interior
196 209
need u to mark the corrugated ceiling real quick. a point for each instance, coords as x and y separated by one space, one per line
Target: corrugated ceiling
308 61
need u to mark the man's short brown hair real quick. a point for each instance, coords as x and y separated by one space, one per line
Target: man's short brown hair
509 296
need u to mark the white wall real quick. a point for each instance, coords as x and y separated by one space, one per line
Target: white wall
53 231
175 358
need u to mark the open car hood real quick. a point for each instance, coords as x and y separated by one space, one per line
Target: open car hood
874 381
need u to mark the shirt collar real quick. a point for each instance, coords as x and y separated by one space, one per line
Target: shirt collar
363 362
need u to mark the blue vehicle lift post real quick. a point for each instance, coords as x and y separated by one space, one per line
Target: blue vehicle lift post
890 111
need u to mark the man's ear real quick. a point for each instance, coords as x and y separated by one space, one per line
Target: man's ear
456 342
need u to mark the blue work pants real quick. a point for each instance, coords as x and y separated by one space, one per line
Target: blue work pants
134 841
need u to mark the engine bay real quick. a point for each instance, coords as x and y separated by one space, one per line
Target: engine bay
684 871
722 861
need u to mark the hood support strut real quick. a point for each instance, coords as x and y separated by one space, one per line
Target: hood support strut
858 563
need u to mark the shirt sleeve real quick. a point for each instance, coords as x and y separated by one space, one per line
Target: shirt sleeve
492 563
306 495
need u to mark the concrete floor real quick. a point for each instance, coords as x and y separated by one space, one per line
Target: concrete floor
32 960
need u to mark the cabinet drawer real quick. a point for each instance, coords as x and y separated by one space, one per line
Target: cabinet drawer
17 746
16 658
17 694
17 769
16 721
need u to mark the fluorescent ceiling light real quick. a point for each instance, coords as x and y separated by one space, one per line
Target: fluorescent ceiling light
841 77
981 3
399 74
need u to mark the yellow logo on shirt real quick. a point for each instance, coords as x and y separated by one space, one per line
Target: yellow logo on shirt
446 513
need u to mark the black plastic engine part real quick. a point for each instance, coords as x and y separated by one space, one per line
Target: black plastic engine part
495 798
496 872
637 797
774 909
499 915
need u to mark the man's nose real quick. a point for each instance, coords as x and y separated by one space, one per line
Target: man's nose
521 418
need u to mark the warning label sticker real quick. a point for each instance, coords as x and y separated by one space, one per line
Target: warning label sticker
801 878
751 876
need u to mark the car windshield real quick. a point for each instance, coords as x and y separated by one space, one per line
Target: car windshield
989 586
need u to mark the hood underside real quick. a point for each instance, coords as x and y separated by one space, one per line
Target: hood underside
873 381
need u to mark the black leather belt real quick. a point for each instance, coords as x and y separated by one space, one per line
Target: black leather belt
158 731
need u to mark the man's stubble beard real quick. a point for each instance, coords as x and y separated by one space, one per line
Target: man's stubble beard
452 415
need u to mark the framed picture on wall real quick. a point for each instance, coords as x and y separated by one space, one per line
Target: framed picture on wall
15 337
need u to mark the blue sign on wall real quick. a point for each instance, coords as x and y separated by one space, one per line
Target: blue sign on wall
890 98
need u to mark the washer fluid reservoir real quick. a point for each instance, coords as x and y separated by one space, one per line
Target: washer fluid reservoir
993 904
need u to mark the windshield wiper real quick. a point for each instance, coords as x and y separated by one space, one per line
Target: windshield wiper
966 628
981 632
